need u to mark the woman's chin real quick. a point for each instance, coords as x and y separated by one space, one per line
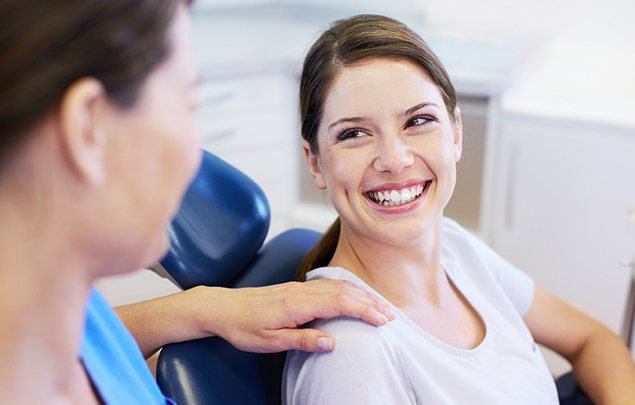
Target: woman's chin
405 236
153 251
405 230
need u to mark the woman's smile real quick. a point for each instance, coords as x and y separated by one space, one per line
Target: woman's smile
397 198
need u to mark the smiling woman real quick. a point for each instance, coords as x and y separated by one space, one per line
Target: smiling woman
344 51
383 134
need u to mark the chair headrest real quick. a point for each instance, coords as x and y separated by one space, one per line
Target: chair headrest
220 226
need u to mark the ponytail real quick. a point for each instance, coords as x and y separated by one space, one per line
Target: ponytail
322 253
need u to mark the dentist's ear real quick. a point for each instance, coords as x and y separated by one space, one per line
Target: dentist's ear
458 134
312 160
82 139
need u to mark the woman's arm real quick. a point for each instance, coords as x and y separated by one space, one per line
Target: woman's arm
601 362
262 319
163 320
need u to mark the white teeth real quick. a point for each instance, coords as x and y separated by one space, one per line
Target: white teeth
405 195
395 197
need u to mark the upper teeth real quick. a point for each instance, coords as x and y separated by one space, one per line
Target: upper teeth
396 197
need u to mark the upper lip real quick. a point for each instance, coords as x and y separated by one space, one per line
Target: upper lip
397 186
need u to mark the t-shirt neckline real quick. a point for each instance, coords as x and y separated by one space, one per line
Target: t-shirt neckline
327 271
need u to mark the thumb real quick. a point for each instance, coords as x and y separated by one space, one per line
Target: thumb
306 340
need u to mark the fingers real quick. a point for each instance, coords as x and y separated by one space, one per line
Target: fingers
266 318
355 301
363 308
347 299
306 340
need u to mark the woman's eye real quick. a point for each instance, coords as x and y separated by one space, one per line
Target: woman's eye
351 134
420 120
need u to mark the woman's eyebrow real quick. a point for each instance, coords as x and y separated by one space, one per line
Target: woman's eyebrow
348 119
419 106
361 119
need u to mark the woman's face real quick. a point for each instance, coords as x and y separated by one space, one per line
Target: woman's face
153 152
387 150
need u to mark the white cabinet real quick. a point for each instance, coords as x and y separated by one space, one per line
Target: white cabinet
562 195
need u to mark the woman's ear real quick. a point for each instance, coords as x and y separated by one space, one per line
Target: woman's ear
82 138
313 161
458 134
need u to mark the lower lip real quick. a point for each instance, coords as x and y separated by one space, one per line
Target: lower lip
398 209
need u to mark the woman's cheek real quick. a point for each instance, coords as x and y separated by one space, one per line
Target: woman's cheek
347 173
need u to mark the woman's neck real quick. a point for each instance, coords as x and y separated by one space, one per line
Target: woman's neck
44 286
403 274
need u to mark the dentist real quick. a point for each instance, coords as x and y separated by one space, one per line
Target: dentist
96 119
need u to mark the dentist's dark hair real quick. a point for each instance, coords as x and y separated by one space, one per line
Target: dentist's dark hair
47 45
345 43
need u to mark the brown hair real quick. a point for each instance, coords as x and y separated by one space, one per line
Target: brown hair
47 45
346 42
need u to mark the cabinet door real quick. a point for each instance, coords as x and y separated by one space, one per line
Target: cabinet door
563 205
561 210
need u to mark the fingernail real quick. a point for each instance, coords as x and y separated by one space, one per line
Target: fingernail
324 344
382 318
391 314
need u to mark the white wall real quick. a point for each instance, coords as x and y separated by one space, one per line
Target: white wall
527 24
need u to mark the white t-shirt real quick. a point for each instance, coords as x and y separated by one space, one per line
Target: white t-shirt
400 363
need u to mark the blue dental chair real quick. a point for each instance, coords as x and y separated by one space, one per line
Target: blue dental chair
217 239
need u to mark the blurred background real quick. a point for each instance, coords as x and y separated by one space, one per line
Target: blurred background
547 92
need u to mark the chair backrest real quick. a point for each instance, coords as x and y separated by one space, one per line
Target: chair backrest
205 249
221 224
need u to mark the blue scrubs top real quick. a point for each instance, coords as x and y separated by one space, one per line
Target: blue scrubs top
113 360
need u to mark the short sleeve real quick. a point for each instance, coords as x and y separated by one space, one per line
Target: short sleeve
362 369
516 284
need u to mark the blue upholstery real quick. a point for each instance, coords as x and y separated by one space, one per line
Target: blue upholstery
216 239
570 392
221 224
279 259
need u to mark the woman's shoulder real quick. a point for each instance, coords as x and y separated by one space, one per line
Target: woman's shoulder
361 350
353 337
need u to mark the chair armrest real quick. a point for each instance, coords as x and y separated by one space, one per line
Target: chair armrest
570 392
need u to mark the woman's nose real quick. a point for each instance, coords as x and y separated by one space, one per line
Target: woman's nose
393 156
